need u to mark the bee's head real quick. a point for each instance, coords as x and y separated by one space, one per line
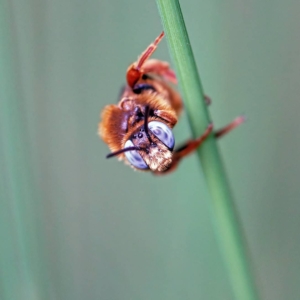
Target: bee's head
150 146
153 150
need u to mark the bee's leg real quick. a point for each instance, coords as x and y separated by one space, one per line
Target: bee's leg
235 123
160 68
192 145
207 100
136 70
188 148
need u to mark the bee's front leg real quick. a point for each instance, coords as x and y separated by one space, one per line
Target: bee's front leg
226 129
192 145
189 147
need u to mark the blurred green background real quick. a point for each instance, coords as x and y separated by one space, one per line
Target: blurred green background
74 225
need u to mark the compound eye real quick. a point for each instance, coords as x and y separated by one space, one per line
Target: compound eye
163 132
134 157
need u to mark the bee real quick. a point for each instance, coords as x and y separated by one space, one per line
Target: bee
138 129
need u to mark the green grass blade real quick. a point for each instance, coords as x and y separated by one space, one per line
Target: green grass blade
223 212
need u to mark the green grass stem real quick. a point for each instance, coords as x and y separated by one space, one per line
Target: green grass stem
224 216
